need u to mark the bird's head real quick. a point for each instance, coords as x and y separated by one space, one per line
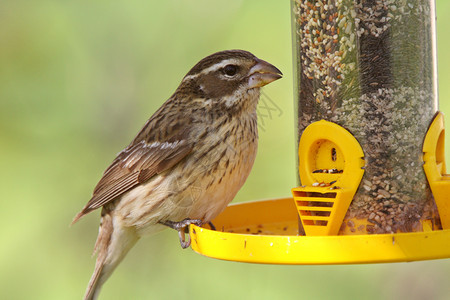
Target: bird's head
229 77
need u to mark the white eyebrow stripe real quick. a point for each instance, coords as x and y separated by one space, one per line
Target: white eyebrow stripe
220 65
213 68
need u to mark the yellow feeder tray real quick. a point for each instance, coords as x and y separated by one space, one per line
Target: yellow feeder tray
267 231
331 165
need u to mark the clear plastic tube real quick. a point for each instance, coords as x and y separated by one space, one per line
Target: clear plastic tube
370 66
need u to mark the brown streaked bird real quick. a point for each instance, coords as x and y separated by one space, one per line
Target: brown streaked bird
187 162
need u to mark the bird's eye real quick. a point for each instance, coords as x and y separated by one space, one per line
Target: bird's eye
230 70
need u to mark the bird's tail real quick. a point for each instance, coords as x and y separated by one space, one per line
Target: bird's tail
113 243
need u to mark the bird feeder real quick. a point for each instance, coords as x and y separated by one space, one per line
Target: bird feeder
372 178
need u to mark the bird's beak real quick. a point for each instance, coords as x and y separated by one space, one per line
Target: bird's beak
263 73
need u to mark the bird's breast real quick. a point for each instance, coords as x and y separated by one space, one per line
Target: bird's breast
225 168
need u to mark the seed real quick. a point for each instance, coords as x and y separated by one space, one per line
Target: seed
384 193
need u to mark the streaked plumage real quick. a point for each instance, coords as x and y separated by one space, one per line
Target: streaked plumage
188 161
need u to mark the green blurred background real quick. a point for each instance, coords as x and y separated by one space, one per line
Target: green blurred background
79 78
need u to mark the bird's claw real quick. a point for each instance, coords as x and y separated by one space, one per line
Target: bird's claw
212 226
181 227
184 244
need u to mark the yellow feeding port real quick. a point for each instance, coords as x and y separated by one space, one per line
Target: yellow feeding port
331 163
434 166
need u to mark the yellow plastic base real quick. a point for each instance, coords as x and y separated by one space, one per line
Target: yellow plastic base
265 232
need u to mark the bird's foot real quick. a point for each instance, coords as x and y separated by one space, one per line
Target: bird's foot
181 228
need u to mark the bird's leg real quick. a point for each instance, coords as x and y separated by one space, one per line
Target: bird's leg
181 227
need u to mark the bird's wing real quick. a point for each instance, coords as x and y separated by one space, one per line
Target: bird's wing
136 164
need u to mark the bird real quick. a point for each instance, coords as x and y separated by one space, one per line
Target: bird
187 162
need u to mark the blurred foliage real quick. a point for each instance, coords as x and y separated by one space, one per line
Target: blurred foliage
79 78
